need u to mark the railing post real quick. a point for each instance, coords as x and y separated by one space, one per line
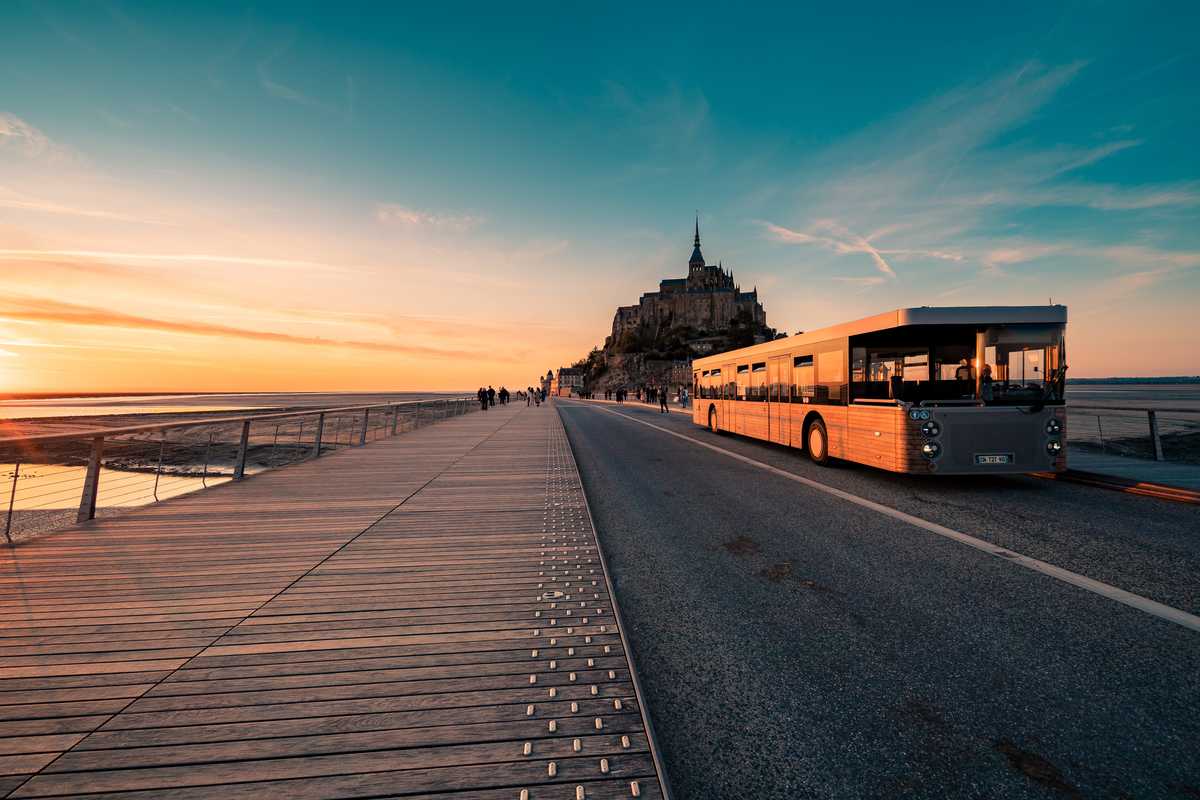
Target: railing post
320 432
162 447
1154 437
91 482
239 471
12 498
417 423
395 418
362 435
207 456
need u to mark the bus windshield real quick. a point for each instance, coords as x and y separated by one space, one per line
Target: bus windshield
1022 364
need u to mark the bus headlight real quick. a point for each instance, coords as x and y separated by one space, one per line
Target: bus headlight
930 428
1053 426
931 449
1054 447
924 414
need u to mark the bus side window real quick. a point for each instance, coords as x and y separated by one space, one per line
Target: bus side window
802 377
743 382
715 386
831 376
758 381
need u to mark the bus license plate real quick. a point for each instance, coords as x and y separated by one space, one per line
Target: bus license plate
993 458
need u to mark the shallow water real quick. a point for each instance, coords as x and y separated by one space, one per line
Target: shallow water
25 411
1144 395
59 486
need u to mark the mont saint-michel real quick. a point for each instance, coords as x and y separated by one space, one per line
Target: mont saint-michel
652 342
706 302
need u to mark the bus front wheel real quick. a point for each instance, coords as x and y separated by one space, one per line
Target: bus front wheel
712 420
817 442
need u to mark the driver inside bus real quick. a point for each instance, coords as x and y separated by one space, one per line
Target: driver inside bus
965 378
985 384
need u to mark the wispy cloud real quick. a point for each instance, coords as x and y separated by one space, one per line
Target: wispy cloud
932 183
996 259
277 88
1140 255
37 309
404 216
10 198
841 240
172 258
115 120
285 92
869 280
19 136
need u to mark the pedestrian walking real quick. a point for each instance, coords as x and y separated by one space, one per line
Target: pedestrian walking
662 401
482 395
491 396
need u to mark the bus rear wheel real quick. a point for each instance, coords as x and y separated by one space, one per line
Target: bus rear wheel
712 420
817 442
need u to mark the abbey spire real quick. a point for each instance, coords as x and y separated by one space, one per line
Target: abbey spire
697 259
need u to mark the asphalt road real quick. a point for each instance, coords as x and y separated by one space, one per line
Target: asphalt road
792 644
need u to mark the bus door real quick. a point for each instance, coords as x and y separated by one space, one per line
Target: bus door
779 380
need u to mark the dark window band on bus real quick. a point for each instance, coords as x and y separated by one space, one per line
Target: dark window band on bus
802 361
757 390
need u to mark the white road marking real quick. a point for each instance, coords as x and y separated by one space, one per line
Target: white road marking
1144 604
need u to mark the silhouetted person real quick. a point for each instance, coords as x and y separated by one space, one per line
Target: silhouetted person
491 396
662 401
482 395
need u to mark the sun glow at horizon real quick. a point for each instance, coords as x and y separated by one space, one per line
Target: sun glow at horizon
404 205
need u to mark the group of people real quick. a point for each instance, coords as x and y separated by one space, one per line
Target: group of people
488 397
534 396
653 394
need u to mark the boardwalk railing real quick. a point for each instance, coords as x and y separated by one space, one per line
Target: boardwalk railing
1159 434
56 479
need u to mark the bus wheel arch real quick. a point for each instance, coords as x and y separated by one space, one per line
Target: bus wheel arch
816 438
712 418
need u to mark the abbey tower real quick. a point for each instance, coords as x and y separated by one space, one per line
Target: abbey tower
707 300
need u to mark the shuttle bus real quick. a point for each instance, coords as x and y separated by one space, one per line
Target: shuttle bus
917 390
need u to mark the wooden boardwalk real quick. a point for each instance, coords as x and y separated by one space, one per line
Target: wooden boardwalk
427 616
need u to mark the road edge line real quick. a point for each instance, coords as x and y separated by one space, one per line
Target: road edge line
651 739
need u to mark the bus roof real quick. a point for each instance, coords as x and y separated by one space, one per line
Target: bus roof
923 315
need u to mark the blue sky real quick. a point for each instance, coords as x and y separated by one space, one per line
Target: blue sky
436 178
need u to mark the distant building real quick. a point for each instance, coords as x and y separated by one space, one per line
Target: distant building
707 300
569 381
